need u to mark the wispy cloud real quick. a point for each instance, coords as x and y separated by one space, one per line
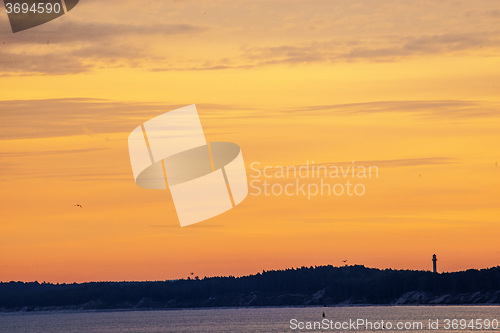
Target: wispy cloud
85 46
75 47
392 163
443 109
83 116
49 152
455 109
74 32
388 48
381 48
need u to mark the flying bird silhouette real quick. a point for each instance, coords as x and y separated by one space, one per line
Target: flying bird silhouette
345 260
78 205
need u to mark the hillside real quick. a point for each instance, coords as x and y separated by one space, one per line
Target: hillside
324 285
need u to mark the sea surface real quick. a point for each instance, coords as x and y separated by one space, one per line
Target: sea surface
283 319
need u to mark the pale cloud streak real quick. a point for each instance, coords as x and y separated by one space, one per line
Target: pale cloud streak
349 165
252 33
76 47
82 116
384 48
444 109
48 152
388 48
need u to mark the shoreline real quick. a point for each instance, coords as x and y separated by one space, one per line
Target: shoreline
47 310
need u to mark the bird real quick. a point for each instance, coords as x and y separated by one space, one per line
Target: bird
345 260
78 205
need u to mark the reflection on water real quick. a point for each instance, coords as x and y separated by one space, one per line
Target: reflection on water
241 319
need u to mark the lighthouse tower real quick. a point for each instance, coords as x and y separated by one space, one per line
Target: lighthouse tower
434 266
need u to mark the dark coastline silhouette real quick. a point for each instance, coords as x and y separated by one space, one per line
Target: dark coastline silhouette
322 285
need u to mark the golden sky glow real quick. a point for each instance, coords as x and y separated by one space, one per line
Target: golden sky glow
409 87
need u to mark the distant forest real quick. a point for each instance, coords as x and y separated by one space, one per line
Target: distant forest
323 285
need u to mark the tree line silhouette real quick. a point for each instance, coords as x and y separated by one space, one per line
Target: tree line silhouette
322 285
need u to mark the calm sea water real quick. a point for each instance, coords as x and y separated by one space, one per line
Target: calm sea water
243 319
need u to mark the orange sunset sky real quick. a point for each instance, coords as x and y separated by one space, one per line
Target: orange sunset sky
410 86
